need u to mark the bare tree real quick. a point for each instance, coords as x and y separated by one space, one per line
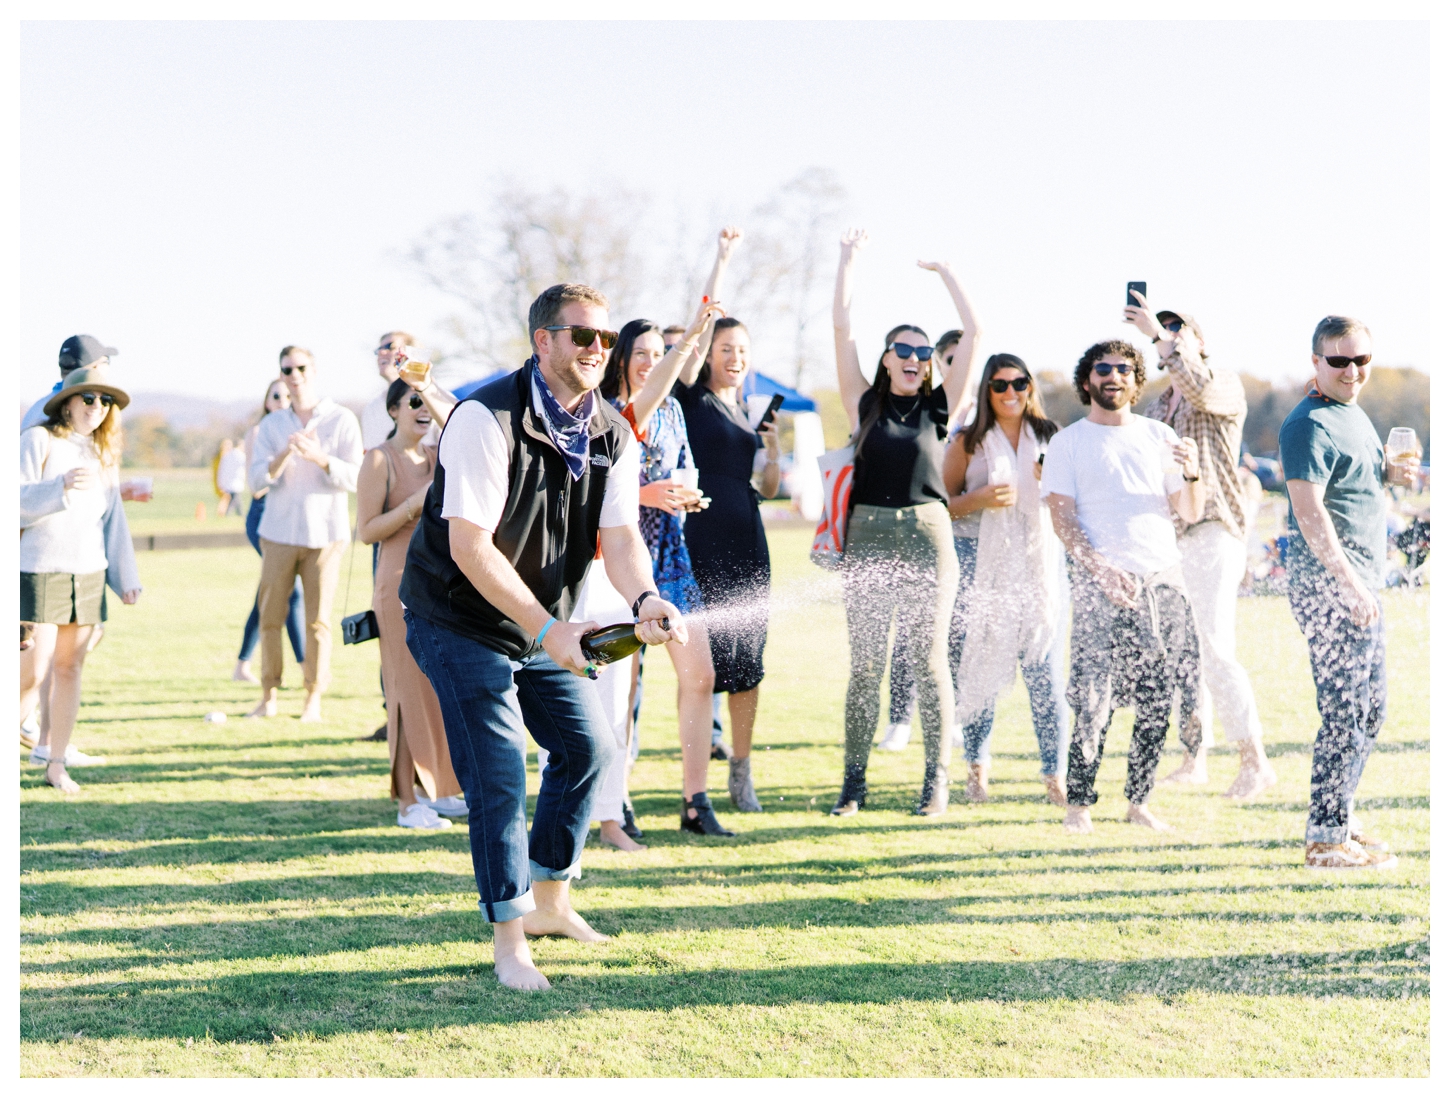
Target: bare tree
495 265
785 262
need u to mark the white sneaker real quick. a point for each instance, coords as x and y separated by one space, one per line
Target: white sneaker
419 815
74 756
958 741
31 724
896 738
444 806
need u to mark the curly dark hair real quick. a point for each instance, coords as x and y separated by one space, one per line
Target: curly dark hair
1096 353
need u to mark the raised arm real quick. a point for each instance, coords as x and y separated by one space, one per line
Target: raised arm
960 377
662 378
848 363
725 244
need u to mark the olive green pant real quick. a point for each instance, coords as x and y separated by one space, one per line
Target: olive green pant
900 562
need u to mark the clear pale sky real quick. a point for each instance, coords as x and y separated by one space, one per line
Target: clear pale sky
198 194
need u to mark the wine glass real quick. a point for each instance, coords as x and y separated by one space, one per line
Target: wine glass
1402 450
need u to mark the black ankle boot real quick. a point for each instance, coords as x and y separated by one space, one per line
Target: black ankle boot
853 791
629 827
704 821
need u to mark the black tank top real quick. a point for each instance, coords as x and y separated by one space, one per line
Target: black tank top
899 462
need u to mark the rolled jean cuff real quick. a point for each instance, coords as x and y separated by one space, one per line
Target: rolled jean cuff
503 910
1323 833
538 872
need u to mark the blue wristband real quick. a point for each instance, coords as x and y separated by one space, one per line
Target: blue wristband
540 638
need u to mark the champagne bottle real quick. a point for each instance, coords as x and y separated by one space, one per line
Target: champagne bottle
613 642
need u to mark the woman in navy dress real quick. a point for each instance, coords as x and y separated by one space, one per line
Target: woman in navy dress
727 542
638 379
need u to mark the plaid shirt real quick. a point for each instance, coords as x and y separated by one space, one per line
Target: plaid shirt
1211 411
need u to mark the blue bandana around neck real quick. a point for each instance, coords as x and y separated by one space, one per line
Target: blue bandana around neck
570 433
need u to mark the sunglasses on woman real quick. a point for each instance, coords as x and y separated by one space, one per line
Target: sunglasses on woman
106 399
1339 362
584 337
415 402
1103 369
301 368
999 385
904 351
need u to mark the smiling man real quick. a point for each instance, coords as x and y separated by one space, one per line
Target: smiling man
1113 482
1335 471
534 471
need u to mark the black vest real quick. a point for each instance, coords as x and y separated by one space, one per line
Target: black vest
548 531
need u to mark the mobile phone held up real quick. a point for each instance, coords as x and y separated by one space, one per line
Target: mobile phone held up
770 409
1142 288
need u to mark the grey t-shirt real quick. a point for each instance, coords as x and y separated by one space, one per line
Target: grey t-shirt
1333 444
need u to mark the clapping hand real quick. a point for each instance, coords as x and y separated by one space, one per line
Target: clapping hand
305 445
1141 316
81 479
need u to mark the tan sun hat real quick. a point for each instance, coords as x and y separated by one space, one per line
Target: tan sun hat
88 379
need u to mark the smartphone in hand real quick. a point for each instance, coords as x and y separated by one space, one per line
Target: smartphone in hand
1141 287
770 409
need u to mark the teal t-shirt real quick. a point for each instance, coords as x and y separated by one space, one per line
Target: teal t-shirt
1335 445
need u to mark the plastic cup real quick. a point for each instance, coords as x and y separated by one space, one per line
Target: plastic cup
1165 455
686 478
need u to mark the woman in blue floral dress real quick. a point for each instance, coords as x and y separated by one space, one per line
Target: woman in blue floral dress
638 379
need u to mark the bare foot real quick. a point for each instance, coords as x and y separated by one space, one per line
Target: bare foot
1255 774
1139 814
513 964
1192 771
977 783
611 834
555 916
312 708
1078 821
267 707
1056 790
55 774
243 673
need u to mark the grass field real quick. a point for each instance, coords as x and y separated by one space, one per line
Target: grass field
235 900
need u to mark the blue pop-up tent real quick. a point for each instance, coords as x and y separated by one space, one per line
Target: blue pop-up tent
756 384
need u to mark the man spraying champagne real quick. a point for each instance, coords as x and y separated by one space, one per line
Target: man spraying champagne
534 471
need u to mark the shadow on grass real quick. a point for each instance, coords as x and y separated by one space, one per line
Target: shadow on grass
264 1005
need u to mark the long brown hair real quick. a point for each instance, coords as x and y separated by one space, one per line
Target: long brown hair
985 417
724 324
106 437
881 383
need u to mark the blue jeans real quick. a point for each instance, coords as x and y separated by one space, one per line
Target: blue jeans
1046 688
488 702
1348 664
295 624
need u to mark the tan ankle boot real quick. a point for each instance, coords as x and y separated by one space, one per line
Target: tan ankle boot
977 782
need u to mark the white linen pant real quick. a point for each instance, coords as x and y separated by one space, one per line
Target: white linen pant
599 601
1213 566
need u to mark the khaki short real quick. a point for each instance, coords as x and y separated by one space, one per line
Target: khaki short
61 598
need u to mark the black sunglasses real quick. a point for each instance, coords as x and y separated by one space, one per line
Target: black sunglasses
1339 362
106 399
415 402
301 368
906 350
584 337
999 385
1174 325
1103 369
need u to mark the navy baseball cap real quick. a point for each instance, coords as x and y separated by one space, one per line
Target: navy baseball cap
82 350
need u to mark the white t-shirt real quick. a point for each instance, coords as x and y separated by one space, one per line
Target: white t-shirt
476 456
1115 476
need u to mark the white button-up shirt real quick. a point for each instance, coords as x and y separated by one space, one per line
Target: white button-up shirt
307 506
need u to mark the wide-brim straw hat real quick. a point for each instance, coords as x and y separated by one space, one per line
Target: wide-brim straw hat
88 379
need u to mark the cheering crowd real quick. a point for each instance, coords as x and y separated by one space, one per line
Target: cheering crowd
617 476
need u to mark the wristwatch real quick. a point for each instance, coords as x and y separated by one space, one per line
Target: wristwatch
640 601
